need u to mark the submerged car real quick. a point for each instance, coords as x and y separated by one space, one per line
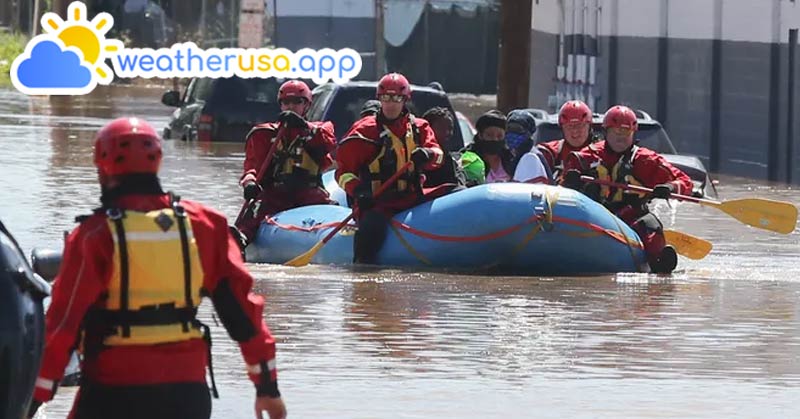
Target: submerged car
650 135
221 110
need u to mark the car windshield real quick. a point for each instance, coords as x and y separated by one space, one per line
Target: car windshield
650 136
236 90
346 106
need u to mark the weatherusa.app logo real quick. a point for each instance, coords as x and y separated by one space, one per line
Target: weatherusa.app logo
69 57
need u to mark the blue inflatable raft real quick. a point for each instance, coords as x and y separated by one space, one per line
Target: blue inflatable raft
515 228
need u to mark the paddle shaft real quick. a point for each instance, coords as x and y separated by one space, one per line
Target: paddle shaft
262 170
380 190
638 188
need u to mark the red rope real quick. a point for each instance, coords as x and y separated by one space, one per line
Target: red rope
490 236
467 239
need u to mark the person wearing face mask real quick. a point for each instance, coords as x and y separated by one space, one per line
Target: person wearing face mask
618 159
377 147
575 119
294 176
531 166
490 145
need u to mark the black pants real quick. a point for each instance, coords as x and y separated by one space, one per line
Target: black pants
162 401
369 237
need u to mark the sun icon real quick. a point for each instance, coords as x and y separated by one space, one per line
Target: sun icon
88 37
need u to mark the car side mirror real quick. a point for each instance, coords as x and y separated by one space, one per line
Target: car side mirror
171 98
46 263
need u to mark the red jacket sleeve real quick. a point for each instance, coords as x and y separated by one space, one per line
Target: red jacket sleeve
241 311
653 169
352 155
82 278
257 146
428 140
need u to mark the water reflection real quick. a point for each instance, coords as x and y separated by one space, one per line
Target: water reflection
719 338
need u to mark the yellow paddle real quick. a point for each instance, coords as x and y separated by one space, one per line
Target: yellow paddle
305 258
766 214
687 245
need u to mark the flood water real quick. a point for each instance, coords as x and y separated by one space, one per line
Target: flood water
720 338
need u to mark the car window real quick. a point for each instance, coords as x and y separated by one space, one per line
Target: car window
547 131
466 131
235 90
319 100
199 90
346 106
655 138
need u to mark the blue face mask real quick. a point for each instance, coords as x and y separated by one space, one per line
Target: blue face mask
515 139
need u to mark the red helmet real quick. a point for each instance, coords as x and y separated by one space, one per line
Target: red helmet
125 146
394 84
620 117
574 111
294 88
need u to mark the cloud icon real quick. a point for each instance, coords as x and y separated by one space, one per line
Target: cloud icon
49 69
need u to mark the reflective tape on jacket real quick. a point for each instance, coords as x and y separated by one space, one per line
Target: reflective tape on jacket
392 156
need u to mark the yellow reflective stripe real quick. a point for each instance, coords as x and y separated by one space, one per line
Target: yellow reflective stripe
153 236
345 178
45 384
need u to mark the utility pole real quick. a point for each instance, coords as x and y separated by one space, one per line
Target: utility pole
515 54
60 7
380 41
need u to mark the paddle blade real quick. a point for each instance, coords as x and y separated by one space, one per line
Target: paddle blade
306 257
777 216
687 245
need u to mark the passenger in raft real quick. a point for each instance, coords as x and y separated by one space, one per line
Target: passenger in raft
294 176
377 147
575 120
127 293
451 172
618 159
531 166
490 145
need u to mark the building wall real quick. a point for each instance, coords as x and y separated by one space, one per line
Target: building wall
328 24
714 72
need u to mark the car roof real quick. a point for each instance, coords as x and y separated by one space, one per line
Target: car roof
374 85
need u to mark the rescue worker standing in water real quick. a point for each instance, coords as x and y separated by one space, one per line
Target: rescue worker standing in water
132 277
294 176
377 147
618 159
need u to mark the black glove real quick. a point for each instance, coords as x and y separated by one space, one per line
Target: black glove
292 120
421 156
34 407
251 190
572 180
364 199
663 190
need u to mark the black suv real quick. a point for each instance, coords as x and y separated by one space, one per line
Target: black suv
650 135
341 104
223 109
